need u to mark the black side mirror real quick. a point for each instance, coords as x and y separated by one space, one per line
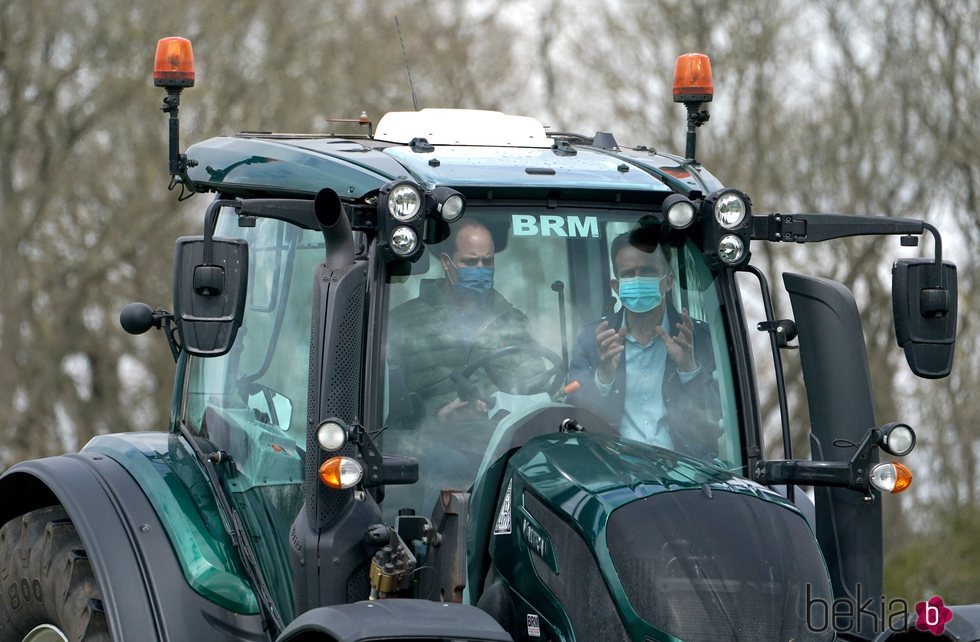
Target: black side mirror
924 307
210 277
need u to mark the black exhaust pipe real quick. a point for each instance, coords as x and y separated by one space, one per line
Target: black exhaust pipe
336 228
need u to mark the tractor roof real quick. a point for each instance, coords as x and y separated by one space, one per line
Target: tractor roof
490 159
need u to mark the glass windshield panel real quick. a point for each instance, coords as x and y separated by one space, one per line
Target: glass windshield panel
475 341
266 372
258 392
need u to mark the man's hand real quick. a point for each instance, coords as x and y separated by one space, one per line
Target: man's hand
680 347
611 346
458 409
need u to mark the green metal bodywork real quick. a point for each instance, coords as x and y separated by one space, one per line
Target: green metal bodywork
289 167
583 478
173 482
298 167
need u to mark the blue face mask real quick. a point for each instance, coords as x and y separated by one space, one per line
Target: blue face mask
640 293
477 280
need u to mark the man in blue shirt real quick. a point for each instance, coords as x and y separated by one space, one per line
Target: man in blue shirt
648 368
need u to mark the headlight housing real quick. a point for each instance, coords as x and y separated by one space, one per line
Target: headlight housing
897 439
679 211
726 216
731 249
404 240
405 202
331 435
449 203
730 210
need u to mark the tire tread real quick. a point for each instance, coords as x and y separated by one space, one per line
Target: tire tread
41 550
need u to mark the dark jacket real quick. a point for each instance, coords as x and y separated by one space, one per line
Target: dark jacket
430 339
693 408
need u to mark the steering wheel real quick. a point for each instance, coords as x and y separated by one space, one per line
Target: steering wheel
550 381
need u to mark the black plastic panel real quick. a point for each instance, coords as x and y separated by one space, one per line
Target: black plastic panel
841 404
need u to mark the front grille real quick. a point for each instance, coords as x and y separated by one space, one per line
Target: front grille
580 587
720 566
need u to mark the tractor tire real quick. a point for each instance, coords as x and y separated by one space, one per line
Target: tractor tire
49 591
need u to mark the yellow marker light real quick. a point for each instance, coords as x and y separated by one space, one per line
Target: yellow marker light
692 78
173 65
891 477
341 472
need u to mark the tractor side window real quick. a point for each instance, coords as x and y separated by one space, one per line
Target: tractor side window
265 373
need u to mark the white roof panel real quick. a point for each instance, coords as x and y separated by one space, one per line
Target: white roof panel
462 127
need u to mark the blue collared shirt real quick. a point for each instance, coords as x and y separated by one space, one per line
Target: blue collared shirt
644 413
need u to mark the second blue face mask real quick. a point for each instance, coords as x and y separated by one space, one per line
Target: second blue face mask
475 279
640 293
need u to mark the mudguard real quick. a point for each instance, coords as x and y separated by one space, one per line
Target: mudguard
394 619
145 594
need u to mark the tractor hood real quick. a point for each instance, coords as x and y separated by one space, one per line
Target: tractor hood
625 541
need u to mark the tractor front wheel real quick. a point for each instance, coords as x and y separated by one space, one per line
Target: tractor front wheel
49 591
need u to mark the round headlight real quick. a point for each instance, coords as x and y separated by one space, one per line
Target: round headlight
404 202
341 472
404 240
898 440
452 208
331 435
730 210
680 214
731 249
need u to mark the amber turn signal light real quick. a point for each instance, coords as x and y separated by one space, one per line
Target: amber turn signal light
891 477
341 472
692 79
173 65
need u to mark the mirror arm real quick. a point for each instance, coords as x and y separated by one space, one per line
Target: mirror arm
854 474
936 275
211 222
812 228
170 331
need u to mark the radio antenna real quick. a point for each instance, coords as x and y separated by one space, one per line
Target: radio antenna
415 102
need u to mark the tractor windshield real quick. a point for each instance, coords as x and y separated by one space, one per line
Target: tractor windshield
523 308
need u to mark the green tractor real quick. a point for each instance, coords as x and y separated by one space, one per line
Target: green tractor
462 377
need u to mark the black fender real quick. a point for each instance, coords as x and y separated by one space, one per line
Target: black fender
144 591
394 619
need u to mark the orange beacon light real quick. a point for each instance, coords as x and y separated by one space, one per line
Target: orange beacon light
173 65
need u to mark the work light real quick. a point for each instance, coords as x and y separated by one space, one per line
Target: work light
452 208
404 202
679 211
731 249
331 435
404 240
898 440
730 210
